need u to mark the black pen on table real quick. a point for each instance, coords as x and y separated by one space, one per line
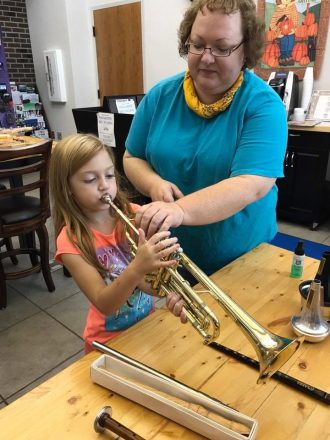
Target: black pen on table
318 394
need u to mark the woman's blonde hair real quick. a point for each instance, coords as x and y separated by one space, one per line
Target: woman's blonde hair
68 157
253 27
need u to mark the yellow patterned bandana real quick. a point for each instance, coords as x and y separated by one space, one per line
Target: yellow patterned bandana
208 110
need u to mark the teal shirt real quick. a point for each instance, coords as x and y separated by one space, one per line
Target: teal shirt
249 137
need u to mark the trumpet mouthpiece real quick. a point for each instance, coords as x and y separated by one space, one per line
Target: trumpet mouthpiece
106 198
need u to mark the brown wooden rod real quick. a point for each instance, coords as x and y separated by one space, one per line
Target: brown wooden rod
104 421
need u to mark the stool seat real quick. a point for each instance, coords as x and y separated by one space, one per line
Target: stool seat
24 210
18 209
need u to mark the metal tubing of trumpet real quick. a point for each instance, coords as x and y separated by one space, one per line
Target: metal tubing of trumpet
201 316
201 324
272 350
106 198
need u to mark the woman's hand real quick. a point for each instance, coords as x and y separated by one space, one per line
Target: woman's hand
151 254
148 182
159 216
175 305
165 191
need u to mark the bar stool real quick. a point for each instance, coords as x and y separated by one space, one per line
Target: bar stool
23 214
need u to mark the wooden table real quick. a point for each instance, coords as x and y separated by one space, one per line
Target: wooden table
20 141
65 406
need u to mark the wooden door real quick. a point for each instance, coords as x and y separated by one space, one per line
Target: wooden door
118 40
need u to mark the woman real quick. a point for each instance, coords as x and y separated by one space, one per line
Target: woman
207 145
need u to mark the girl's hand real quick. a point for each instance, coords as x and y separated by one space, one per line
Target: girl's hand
151 254
165 191
175 305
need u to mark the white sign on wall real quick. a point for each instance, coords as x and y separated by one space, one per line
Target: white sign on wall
106 128
55 75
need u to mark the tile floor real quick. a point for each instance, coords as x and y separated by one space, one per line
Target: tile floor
40 332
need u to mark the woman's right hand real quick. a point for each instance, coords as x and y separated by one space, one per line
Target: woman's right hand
165 191
148 182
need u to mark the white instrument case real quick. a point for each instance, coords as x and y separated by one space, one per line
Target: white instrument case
126 377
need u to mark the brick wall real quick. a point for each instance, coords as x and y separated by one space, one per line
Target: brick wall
16 41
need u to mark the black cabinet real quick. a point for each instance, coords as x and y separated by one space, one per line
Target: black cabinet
303 195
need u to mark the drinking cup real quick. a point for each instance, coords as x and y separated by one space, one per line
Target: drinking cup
298 114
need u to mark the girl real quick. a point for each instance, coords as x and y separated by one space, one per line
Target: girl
91 241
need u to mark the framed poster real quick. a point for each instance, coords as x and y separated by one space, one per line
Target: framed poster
296 33
319 108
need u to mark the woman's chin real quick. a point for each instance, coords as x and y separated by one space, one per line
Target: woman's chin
209 89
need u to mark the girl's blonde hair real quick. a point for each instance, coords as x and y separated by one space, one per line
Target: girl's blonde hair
68 157
252 27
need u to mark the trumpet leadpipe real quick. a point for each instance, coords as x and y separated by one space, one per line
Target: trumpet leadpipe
106 198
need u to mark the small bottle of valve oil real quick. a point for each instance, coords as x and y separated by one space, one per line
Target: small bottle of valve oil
298 261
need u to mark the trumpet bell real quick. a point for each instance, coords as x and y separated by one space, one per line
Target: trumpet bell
272 350
272 359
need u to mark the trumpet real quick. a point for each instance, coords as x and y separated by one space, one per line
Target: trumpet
272 350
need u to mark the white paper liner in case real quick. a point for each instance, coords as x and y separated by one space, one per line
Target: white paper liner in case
114 373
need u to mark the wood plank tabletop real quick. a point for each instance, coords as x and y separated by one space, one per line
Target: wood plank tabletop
322 128
65 406
15 141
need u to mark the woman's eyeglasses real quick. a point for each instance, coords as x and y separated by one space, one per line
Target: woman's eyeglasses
199 49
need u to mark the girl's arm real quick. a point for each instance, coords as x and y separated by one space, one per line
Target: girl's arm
107 299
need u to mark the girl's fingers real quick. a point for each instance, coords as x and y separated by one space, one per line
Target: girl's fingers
159 236
183 317
142 236
164 244
168 250
167 263
175 304
171 299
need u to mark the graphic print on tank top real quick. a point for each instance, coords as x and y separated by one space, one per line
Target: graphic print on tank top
138 305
